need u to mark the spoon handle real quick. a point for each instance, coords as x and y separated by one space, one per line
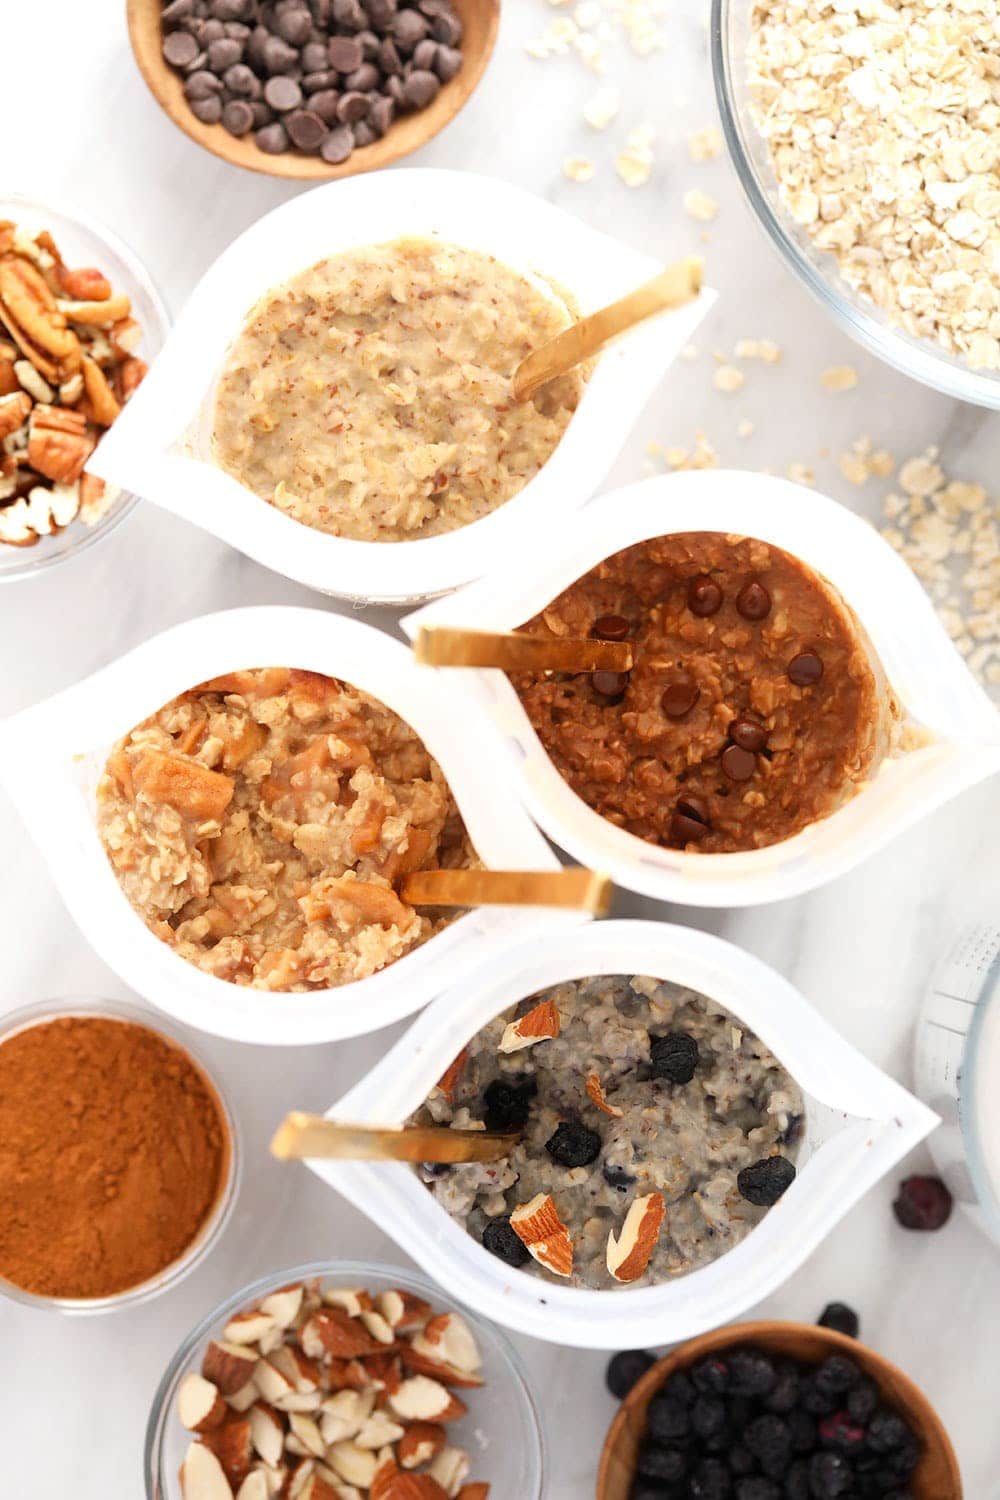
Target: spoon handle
302 1135
584 890
444 646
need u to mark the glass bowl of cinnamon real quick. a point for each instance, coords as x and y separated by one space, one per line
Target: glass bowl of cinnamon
120 1157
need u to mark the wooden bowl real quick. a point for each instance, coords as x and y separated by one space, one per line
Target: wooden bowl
480 19
936 1477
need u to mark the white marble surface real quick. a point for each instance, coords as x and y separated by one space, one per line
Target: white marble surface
84 128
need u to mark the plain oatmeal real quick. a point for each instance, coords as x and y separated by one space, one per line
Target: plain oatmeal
370 397
656 1130
258 823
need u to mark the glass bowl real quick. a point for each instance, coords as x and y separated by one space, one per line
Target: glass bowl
213 1227
502 1433
84 241
817 269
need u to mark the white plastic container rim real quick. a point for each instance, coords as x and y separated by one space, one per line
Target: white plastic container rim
52 757
160 445
928 675
859 1123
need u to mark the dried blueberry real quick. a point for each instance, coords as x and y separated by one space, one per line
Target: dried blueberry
740 1460
740 1409
574 1144
502 1241
840 1432
784 1394
710 1481
616 1177
757 1488
770 1441
674 1056
708 1416
841 1318
508 1102
763 1183
837 1374
862 1402
816 1400
923 1203
625 1369
797 1481
679 1386
668 1419
887 1431
802 1431
830 1476
752 1373
664 1464
711 1374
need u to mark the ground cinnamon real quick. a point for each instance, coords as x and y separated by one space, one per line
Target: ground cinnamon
113 1152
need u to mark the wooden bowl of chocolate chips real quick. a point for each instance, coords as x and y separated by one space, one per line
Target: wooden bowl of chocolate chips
779 1410
312 89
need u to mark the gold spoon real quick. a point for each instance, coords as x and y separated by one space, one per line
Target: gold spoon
446 646
583 890
679 283
300 1136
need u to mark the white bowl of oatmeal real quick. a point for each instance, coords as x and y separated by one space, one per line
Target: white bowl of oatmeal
185 829
302 299
857 1124
938 732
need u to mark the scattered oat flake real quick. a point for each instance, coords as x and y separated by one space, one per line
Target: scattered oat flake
705 145
728 379
745 428
700 205
578 168
839 378
766 350
801 474
601 109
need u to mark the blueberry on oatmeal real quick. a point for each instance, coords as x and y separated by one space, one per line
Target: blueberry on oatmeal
500 1240
765 1181
574 1145
674 1057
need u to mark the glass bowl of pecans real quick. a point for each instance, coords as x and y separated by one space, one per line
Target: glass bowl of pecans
80 320
343 1378
879 193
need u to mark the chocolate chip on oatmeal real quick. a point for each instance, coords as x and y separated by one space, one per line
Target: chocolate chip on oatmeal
610 628
748 733
805 670
574 1144
765 1181
704 596
503 1242
679 697
686 830
674 1056
738 764
753 601
610 685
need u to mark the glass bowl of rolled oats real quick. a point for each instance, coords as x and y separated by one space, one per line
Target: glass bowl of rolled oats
866 141
80 320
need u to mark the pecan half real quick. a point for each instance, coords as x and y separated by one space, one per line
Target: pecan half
58 443
86 284
128 377
103 401
8 378
14 411
97 313
30 308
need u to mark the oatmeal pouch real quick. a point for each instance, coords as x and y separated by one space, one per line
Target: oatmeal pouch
160 447
938 732
858 1124
52 757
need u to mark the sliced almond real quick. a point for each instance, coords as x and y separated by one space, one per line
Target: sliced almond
595 1093
228 1366
391 1484
199 1404
416 1362
538 1225
248 1328
349 1374
332 1331
379 1431
420 1399
352 1463
385 1371
403 1311
202 1476
241 1401
318 1487
272 1383
303 1372
283 1305
421 1442
377 1326
308 1433
450 1468
448 1337
267 1433
475 1491
299 1478
628 1255
353 1299
254 1487
448 1081
539 1025
232 1446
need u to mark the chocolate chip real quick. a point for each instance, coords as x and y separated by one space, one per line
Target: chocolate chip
262 113
180 49
364 78
369 45
338 145
447 28
352 107
389 59
239 79
273 139
238 117
738 764
610 628
210 31
326 78
686 830
208 110
421 88
363 133
294 26
279 57
314 57
748 734
283 94
704 596
753 601
380 12
176 12
348 13
325 104
805 670
679 697
345 53
306 129
693 807
610 685
447 63
223 53
202 85
381 114
254 50
231 10
235 30
394 88
408 28
424 53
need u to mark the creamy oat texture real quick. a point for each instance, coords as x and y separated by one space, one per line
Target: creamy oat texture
883 123
370 397
686 1141
258 822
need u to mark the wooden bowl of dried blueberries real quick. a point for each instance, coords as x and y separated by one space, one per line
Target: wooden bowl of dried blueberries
774 1411
312 89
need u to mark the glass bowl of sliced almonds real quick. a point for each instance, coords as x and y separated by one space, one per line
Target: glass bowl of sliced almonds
340 1379
80 321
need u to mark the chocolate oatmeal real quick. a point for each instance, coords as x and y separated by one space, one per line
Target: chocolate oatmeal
753 709
657 1131
370 397
258 823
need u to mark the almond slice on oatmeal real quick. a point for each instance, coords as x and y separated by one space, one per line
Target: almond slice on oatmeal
539 1025
628 1254
538 1225
596 1095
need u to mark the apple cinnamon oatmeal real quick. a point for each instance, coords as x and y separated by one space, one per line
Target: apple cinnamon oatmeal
257 824
370 396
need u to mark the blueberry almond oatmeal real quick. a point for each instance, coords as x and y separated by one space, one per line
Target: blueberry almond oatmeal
657 1131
